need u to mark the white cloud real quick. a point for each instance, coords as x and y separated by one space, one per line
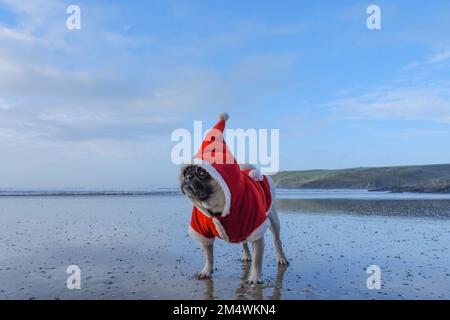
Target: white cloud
89 96
56 101
4 105
34 13
441 56
436 58
430 103
15 35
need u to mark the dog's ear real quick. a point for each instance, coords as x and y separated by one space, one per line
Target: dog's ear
182 173
185 168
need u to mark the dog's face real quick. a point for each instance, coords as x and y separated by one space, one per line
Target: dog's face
202 189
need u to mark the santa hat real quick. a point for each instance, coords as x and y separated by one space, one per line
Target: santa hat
214 149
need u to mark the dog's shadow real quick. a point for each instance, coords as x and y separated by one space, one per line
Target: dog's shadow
251 292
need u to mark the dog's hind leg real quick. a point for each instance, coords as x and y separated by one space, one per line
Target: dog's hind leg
246 256
275 228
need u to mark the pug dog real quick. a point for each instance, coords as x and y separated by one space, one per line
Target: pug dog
207 195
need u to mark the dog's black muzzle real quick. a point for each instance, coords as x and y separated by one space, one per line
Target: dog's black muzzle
195 190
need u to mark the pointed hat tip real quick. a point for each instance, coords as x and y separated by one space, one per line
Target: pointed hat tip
224 116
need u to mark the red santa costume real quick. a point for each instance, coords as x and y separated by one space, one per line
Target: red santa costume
248 197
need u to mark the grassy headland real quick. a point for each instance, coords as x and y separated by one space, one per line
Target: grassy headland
423 178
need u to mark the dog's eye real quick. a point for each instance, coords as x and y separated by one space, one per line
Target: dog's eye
202 174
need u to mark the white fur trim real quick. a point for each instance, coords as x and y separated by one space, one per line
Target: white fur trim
224 116
220 229
256 175
259 232
216 176
197 236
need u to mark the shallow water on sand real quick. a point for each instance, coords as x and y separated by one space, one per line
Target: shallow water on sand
137 247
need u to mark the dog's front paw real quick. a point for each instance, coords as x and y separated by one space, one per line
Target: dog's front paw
246 259
254 280
204 274
283 261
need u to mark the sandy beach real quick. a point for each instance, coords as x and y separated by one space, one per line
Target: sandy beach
137 247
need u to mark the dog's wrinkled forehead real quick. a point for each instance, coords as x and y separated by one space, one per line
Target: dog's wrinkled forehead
196 171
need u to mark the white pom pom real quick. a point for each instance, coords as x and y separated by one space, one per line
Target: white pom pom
246 166
224 116
255 174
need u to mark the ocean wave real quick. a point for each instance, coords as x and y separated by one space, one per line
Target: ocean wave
88 193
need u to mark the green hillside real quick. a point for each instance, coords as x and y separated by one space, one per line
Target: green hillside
425 178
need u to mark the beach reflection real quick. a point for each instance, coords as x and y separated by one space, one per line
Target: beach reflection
251 292
423 208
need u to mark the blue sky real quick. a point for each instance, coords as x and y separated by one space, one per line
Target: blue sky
94 108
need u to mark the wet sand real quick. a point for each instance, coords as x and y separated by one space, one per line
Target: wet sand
137 247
